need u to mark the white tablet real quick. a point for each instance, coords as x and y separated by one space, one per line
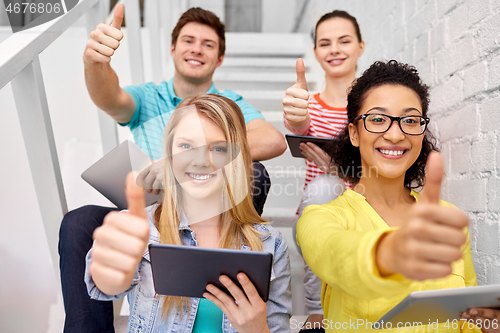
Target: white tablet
440 305
109 173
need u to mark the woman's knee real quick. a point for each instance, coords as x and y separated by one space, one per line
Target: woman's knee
83 220
323 189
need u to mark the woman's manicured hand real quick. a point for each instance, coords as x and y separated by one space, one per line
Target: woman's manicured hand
430 240
318 156
486 319
246 310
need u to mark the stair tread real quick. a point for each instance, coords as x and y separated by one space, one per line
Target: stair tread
258 76
261 94
259 62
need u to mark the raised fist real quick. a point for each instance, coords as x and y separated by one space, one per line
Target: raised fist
120 243
296 99
105 39
431 239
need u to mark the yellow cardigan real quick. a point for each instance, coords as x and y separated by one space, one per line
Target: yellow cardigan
338 241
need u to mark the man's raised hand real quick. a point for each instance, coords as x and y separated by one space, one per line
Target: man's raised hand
431 239
120 243
296 99
105 39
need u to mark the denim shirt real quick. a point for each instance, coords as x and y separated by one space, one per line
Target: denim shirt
146 306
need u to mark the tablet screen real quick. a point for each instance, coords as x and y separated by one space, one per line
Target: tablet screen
186 270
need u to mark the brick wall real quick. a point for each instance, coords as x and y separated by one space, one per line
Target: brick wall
455 45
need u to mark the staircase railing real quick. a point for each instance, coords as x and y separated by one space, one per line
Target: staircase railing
20 65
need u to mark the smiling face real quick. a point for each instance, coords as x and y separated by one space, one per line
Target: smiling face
199 148
391 153
196 53
337 47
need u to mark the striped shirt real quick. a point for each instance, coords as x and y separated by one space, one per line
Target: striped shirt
325 122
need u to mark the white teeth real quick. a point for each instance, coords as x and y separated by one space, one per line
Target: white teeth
391 152
194 62
200 177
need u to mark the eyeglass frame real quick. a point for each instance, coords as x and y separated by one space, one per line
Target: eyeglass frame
393 119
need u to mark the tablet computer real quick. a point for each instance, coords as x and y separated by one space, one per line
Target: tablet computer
442 305
108 174
295 140
186 270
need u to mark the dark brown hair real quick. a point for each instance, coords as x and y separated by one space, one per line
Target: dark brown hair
346 156
341 14
205 17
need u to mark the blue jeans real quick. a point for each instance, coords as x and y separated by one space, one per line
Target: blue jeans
75 239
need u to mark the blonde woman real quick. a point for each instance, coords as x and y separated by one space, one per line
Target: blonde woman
207 203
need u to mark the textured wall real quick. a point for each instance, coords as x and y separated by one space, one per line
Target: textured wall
455 44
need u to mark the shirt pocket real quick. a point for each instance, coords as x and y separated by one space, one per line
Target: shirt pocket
143 314
354 307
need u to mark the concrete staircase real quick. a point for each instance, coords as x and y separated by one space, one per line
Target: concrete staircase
260 67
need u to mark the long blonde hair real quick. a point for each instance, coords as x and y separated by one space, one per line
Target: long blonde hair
237 226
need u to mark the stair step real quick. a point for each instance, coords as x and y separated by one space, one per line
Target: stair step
262 94
260 62
256 77
264 100
261 81
255 64
266 45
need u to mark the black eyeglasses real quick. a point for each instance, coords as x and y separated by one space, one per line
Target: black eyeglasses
380 123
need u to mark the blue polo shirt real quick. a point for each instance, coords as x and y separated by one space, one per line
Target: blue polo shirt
154 106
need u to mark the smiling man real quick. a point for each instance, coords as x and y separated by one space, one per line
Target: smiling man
198 45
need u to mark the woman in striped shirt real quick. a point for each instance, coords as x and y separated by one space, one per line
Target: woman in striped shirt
337 47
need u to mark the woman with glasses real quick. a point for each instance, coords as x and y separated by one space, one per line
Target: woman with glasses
380 241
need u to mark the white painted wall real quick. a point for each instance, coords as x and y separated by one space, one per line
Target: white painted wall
455 45
278 15
215 6
29 296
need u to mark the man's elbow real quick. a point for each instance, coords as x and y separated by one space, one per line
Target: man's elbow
279 143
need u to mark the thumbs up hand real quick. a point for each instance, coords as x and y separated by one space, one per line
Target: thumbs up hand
105 39
296 99
120 243
430 240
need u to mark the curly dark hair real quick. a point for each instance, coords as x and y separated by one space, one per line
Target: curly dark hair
345 156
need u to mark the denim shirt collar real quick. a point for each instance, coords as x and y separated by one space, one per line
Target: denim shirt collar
154 237
176 100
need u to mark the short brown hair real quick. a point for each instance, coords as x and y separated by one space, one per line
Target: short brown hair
202 16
